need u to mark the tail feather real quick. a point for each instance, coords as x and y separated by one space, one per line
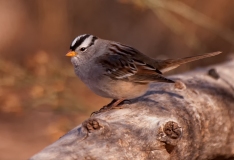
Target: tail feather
169 64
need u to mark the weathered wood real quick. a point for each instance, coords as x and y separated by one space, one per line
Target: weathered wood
192 119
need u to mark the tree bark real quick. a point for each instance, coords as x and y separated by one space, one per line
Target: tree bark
191 119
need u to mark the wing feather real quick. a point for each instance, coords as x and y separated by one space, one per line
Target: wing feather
121 63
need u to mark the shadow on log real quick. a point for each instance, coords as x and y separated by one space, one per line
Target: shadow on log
191 119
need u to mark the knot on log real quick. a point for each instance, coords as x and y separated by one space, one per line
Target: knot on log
178 85
91 125
95 125
172 130
213 73
170 134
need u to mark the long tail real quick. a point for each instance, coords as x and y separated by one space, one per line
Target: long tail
169 64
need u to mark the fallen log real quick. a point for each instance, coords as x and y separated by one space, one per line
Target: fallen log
191 119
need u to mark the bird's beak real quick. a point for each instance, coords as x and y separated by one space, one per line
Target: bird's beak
71 54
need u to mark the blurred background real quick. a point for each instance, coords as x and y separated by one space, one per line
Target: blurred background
40 96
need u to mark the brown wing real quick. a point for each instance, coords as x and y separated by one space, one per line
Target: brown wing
117 66
121 63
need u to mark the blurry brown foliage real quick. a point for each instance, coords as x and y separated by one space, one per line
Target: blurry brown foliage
37 80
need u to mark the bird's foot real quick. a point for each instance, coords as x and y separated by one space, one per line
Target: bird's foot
114 104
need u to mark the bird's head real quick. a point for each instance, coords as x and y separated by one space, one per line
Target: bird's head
82 47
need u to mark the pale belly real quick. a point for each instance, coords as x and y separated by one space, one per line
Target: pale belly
118 89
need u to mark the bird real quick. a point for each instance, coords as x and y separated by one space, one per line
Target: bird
118 71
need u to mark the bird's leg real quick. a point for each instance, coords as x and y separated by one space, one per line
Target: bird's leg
113 104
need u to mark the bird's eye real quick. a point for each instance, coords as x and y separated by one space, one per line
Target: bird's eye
83 49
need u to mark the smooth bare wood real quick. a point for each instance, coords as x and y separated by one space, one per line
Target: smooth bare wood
191 119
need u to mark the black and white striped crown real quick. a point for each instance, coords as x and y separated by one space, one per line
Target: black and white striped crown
85 40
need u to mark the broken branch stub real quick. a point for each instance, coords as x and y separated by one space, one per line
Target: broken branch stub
191 119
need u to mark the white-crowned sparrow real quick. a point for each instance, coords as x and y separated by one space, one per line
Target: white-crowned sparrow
117 71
